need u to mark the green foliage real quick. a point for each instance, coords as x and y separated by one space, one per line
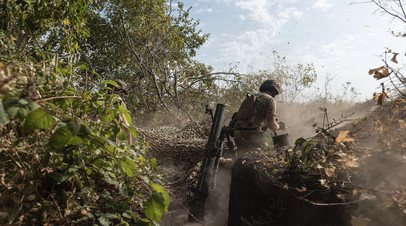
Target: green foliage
150 45
17 108
38 119
158 204
64 154
306 155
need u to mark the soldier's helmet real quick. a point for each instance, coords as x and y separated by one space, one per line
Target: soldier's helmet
122 86
270 85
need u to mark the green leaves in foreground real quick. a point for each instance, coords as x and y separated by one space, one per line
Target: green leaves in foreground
38 119
15 108
70 134
157 205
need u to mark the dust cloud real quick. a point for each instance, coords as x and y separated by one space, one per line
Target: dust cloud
302 120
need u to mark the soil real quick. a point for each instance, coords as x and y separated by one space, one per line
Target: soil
364 185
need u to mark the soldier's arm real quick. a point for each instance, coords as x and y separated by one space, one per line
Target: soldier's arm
270 115
271 122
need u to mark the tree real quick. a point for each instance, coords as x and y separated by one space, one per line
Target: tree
64 153
294 80
150 45
390 70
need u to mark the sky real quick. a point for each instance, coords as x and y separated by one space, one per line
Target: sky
341 39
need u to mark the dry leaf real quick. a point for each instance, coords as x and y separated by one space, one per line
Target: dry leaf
402 123
378 126
243 162
394 57
381 98
303 189
352 164
342 137
379 73
285 187
322 181
341 196
371 71
329 172
267 164
1 65
367 154
376 96
360 221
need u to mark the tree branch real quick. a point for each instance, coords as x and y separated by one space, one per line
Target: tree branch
387 11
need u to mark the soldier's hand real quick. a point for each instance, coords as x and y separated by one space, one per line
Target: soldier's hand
281 125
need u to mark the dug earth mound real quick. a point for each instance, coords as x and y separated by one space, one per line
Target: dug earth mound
353 175
262 193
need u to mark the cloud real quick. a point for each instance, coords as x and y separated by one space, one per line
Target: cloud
249 48
207 10
323 4
271 15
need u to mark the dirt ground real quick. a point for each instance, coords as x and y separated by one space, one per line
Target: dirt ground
375 180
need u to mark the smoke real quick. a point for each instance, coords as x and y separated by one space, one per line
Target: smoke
217 202
302 120
216 210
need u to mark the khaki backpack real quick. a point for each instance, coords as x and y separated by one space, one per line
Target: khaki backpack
247 111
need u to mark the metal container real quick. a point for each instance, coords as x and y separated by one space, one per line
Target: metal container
281 140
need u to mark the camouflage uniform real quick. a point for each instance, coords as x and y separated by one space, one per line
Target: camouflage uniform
249 136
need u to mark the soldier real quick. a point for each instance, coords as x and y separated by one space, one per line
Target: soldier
255 115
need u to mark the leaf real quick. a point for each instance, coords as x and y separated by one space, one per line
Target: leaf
157 205
402 123
394 57
329 171
113 83
342 137
110 142
303 189
122 135
104 221
352 164
1 65
64 136
379 73
39 119
376 96
74 127
381 98
129 166
128 118
4 119
360 220
18 108
81 66
133 131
